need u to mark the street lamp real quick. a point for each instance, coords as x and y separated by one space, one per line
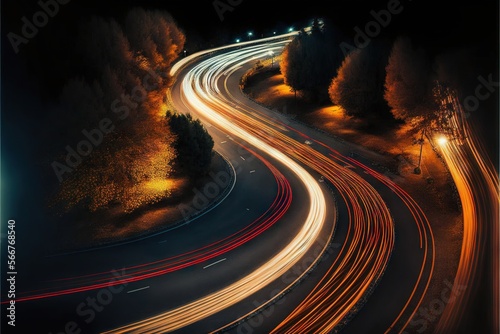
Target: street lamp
417 169
250 34
442 140
271 53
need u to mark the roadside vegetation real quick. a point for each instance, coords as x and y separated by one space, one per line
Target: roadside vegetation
112 144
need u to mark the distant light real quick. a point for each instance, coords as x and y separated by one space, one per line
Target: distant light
274 32
442 140
250 34
237 40
290 30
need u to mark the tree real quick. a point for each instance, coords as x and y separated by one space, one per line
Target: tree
121 171
155 39
193 144
409 84
409 88
359 85
131 164
311 59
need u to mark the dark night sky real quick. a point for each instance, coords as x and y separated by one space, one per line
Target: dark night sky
451 24
453 21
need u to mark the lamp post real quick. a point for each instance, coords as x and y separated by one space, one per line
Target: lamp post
271 53
417 169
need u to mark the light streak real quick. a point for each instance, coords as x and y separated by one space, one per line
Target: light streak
477 183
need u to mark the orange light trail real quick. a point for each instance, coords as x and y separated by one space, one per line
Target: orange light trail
477 183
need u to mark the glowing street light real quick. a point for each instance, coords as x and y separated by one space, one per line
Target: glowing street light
237 40
290 29
442 140
271 53
250 34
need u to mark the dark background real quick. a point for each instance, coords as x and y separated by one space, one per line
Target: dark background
439 26
443 23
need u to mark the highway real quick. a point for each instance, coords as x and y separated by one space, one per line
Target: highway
179 264
312 238
210 90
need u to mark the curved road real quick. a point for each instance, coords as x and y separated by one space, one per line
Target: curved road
248 263
209 89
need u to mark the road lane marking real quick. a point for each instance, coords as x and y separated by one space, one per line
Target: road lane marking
143 288
223 142
242 158
211 264
252 171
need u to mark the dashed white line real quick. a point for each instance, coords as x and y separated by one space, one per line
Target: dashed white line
143 288
252 171
211 264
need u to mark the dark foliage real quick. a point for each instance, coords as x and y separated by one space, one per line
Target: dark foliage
193 144
311 60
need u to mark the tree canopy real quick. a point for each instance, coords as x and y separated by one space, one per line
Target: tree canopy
193 143
122 78
409 83
311 59
359 85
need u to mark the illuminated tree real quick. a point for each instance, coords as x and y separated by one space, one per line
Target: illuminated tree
409 84
409 89
121 171
130 166
359 85
310 61
155 39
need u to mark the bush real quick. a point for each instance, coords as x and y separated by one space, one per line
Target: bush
193 144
